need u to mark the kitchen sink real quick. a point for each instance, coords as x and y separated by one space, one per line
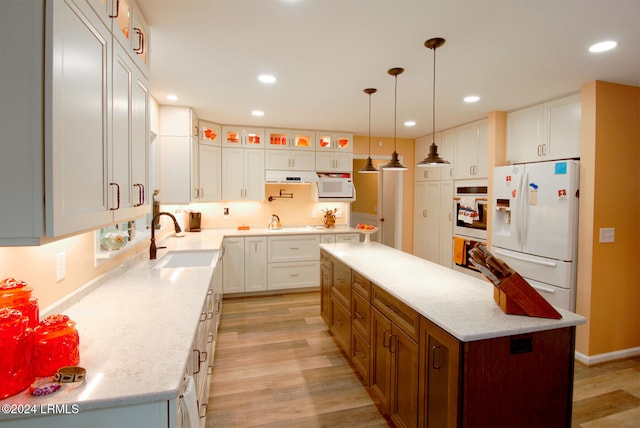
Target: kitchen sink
178 259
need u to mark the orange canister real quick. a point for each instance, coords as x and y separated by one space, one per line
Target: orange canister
16 343
16 294
56 344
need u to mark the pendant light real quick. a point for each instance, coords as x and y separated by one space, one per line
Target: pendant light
394 164
369 168
433 158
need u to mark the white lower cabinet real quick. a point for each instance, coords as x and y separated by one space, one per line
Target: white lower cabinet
293 261
245 264
255 263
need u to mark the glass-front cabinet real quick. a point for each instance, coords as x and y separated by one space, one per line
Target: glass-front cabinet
210 133
290 139
332 141
240 136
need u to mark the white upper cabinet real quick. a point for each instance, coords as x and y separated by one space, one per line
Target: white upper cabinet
334 162
445 141
242 136
546 131
242 174
471 150
124 19
334 141
178 155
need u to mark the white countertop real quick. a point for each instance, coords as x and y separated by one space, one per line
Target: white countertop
136 325
460 304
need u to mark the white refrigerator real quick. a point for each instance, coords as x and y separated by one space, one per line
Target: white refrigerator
535 225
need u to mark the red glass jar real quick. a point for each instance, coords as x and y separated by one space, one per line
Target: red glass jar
56 344
16 345
16 294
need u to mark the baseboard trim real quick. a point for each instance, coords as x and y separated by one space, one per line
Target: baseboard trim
590 360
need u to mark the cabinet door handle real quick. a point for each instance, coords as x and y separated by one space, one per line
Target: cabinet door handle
294 248
117 196
393 343
117 10
358 314
293 275
140 49
140 195
435 361
197 352
384 338
544 150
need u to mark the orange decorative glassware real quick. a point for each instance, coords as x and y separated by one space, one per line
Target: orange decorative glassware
16 343
56 344
16 294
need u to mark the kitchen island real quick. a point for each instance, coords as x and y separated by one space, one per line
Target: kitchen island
435 349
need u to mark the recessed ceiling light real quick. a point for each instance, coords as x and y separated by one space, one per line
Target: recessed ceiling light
267 78
471 99
257 113
172 97
603 46
410 123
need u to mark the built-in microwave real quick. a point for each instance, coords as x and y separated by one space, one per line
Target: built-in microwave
335 187
470 209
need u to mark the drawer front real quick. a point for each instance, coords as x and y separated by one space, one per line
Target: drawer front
361 315
293 248
399 313
293 275
327 238
341 325
361 284
348 237
361 356
342 282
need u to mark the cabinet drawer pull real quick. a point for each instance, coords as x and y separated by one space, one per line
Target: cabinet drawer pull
210 338
392 308
358 314
360 354
294 248
197 352
293 275
340 321
209 315
203 316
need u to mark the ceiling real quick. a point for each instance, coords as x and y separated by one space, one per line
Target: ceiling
325 52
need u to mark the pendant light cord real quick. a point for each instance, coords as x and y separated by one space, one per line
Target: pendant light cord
433 107
395 113
369 125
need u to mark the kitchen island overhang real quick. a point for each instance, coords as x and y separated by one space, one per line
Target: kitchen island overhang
458 303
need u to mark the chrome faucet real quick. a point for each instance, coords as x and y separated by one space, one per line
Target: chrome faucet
153 249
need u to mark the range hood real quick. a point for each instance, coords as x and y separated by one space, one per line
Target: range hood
291 177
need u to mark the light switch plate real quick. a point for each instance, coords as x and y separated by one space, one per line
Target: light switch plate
607 235
61 266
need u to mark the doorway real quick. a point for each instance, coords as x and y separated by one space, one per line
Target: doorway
378 201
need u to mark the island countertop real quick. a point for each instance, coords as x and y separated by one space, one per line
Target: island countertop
458 303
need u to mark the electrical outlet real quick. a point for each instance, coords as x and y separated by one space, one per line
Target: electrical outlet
61 266
226 213
607 235
314 213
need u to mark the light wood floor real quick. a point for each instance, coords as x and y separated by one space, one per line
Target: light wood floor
276 365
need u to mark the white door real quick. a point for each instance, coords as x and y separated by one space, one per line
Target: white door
232 173
209 171
550 204
254 175
255 263
233 265
446 223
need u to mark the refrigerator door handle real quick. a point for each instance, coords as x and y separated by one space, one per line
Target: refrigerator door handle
525 259
525 208
518 204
